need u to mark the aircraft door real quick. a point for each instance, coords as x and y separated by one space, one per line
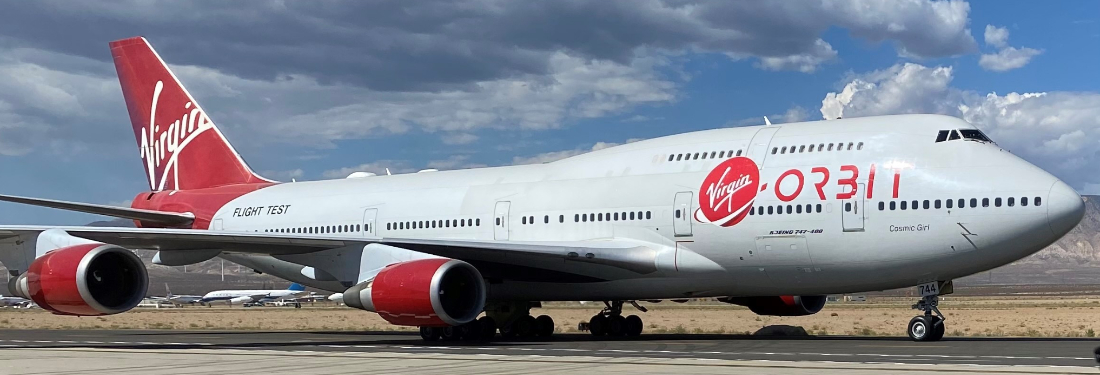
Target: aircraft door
500 220
758 148
370 217
681 214
853 209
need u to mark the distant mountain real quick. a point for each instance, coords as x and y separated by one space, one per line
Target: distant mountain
1081 246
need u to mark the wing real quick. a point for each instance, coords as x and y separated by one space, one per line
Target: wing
625 256
168 218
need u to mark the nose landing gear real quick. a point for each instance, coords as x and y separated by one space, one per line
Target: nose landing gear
930 326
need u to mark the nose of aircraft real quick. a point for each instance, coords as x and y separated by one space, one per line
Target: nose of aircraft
1064 208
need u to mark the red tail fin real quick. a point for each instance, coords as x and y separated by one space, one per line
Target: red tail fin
181 147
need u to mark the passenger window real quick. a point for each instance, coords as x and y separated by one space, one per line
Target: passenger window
599 217
904 204
774 150
696 157
811 149
752 212
790 209
770 210
949 202
893 205
561 218
850 145
648 214
847 206
721 154
942 136
985 202
881 206
1011 201
798 209
818 208
809 208
937 204
670 156
801 148
926 204
1038 201
576 218
738 152
678 156
962 203
783 150
973 202
915 206
546 219
498 221
677 214
1023 201
704 156
859 146
478 222
584 218
779 210
830 147
712 153
997 202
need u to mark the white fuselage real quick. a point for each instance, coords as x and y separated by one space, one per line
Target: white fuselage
808 232
248 295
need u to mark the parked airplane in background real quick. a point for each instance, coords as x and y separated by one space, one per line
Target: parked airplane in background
14 302
769 217
180 300
254 296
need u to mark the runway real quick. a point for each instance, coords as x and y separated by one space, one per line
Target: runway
49 351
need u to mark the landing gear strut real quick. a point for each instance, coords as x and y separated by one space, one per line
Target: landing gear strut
930 326
610 321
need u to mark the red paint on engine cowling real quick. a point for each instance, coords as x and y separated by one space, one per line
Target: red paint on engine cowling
401 293
51 281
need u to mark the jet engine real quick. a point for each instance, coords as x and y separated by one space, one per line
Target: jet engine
434 292
84 280
780 305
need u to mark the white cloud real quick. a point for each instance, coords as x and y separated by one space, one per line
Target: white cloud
1054 130
455 162
806 62
458 138
996 36
1008 58
547 157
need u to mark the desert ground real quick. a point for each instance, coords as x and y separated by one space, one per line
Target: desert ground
882 316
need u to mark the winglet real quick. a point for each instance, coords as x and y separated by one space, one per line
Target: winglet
296 287
767 122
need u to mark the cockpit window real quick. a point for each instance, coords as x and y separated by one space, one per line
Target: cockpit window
942 136
975 134
954 135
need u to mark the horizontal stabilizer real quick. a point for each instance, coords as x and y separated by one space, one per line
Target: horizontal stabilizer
160 217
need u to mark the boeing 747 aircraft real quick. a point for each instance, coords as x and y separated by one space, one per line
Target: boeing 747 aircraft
769 217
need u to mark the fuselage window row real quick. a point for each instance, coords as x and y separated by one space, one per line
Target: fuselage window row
428 224
820 147
960 203
704 155
780 209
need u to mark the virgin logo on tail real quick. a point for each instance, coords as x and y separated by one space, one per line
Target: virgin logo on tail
728 192
161 144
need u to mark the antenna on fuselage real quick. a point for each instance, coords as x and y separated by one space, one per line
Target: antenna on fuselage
767 122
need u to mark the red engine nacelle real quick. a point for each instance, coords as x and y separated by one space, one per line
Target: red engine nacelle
428 292
85 280
780 305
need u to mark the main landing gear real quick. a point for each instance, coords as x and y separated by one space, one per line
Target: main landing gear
930 326
514 320
610 321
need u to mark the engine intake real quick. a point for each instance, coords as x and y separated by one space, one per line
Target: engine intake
85 280
426 292
780 305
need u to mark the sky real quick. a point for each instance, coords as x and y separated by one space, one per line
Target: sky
318 90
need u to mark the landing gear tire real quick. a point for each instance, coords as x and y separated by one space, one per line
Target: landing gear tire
938 328
616 326
633 326
930 326
488 327
920 328
544 326
450 333
598 325
470 331
430 333
525 326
